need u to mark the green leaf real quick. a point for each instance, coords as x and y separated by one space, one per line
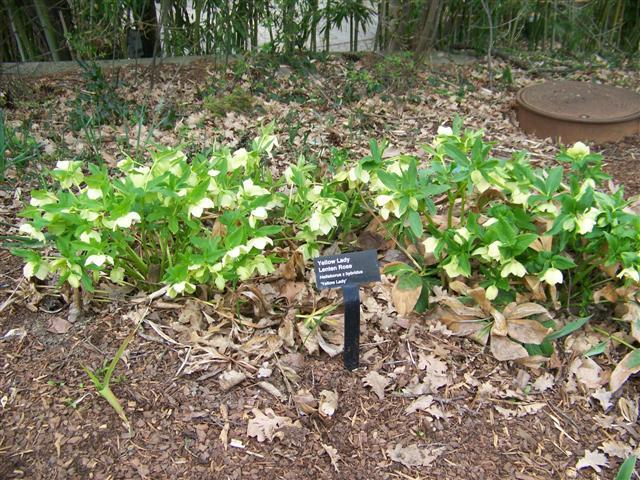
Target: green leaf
568 328
390 180
415 223
596 350
173 225
409 281
553 180
562 262
627 468
458 155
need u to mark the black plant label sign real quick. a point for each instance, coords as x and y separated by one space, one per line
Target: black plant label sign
347 271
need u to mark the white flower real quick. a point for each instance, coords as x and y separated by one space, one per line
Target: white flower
396 168
518 196
631 273
40 199
259 242
94 193
213 173
89 215
430 245
357 173
64 165
461 236
288 175
39 269
479 181
314 193
444 130
251 190
491 292
552 276
180 287
515 268
234 253
549 207
578 150
98 260
123 222
453 268
388 205
259 213
586 221
239 159
490 221
490 252
197 209
322 221
28 229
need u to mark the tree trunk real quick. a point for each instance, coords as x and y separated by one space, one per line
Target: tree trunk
50 33
327 26
399 15
426 37
15 28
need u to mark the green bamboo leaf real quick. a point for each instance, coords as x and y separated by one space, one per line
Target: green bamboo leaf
596 350
627 468
568 328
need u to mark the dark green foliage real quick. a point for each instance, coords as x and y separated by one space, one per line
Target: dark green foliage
238 100
98 102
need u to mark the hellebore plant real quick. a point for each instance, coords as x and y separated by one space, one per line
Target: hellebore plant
499 224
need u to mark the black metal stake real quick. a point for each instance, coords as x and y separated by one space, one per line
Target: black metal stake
351 352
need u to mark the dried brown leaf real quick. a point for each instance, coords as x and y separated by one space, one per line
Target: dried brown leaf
524 310
500 326
333 456
58 325
405 300
528 331
267 425
629 365
592 459
504 349
328 403
421 403
377 383
230 379
305 401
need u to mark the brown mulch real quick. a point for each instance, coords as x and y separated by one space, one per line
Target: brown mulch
54 425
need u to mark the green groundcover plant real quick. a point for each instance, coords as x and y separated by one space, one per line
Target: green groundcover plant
499 232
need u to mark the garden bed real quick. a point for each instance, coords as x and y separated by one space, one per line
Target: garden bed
475 417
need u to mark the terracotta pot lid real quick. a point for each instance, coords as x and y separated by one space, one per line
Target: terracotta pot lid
581 102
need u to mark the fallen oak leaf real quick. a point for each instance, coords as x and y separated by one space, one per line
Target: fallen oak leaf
267 425
421 403
377 383
333 456
592 459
